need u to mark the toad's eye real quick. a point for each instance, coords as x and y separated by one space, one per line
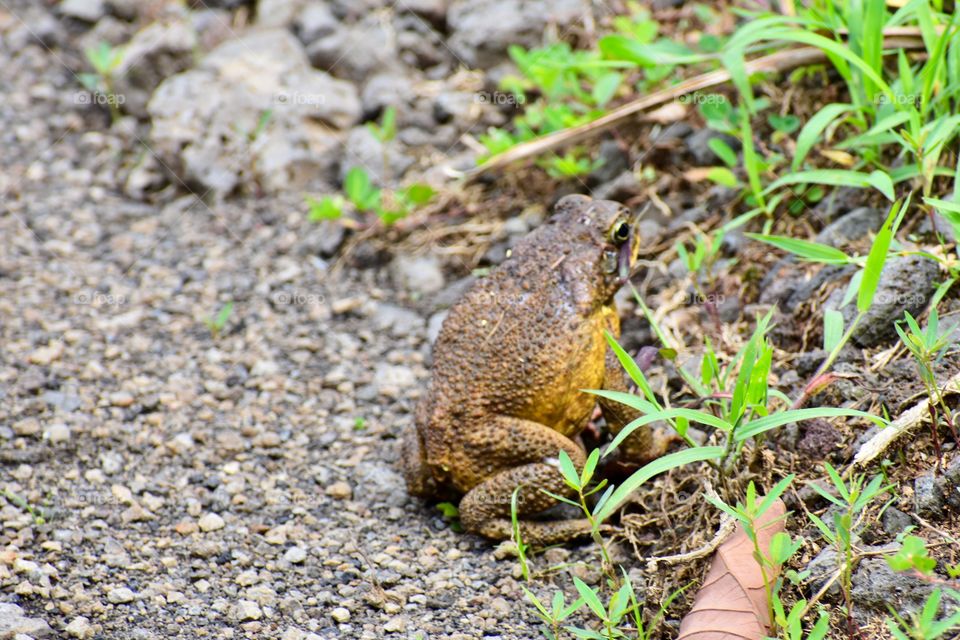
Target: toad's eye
620 232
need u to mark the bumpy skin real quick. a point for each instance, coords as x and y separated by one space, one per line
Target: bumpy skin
510 364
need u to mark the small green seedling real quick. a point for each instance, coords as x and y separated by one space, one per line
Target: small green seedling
924 626
326 208
928 346
553 616
782 547
105 61
852 501
217 323
35 512
792 623
572 164
451 514
387 129
912 554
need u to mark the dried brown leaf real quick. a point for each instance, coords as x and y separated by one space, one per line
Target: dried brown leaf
732 602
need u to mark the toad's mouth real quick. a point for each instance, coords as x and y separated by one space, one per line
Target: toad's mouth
624 258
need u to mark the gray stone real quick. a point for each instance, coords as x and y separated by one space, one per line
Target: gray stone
614 162
851 227
121 595
399 321
895 521
383 90
153 54
927 496
821 569
876 585
210 123
418 274
483 29
86 10
355 52
316 21
62 401
906 284
278 13
698 144
435 324
295 555
383 162
458 106
380 486
14 621
433 10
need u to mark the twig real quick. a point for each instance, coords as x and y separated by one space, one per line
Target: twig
908 420
775 62
723 532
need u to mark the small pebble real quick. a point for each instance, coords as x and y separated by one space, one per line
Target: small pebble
210 522
120 595
339 490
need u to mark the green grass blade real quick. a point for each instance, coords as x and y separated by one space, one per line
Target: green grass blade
658 466
814 128
875 261
804 249
761 425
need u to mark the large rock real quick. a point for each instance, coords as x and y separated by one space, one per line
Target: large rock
906 284
483 29
354 52
253 112
152 55
14 622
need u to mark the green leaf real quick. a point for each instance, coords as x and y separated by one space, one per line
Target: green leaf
756 427
723 176
590 598
633 370
784 124
620 47
327 208
418 194
589 467
359 189
912 554
449 510
723 151
804 249
882 182
782 547
832 329
837 178
658 466
876 259
569 471
815 126
605 88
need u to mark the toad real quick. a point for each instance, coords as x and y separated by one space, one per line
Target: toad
510 367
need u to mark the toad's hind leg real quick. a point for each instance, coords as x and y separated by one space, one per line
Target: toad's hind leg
526 454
